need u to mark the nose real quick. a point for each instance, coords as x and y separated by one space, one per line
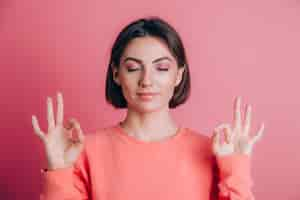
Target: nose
145 79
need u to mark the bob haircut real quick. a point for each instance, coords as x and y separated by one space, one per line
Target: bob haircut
154 27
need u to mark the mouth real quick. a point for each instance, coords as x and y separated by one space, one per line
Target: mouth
146 95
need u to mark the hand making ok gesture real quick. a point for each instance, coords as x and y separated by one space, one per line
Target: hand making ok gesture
62 148
237 139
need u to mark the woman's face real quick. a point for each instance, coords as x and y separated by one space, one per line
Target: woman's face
147 66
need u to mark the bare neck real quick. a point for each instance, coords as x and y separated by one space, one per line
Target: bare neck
154 126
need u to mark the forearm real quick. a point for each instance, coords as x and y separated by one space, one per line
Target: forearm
235 180
65 183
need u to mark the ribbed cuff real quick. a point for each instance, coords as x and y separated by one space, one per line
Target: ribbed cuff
236 164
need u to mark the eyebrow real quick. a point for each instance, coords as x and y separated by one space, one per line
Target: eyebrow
154 61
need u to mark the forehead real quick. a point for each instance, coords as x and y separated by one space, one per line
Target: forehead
146 49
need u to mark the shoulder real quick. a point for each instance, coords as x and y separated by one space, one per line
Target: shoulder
198 136
199 140
100 138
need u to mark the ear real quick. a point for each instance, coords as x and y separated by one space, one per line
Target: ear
179 75
115 75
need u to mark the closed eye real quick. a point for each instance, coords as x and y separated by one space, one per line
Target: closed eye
163 69
132 69
159 68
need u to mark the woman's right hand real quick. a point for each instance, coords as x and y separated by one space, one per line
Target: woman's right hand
62 147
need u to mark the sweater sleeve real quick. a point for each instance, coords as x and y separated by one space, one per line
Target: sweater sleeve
66 183
234 180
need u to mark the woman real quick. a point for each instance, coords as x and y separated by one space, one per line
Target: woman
147 155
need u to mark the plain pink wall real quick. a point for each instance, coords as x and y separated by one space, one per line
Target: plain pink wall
234 48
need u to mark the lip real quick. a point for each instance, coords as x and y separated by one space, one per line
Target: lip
147 93
146 96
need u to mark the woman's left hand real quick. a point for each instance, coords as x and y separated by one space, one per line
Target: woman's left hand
237 139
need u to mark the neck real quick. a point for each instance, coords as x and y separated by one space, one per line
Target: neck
149 126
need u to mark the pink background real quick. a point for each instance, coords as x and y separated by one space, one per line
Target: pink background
234 48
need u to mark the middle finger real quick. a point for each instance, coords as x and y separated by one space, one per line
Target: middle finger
50 115
247 120
237 113
60 109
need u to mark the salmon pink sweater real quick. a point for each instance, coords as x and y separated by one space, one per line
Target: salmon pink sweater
117 166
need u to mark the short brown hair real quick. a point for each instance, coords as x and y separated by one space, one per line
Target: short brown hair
155 27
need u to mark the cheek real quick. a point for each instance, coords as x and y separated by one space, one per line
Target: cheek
167 83
167 89
128 86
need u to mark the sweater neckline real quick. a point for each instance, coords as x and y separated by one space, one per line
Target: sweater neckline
124 134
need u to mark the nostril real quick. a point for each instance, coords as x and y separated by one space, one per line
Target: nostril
145 83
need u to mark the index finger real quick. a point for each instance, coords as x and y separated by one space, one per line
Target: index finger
77 127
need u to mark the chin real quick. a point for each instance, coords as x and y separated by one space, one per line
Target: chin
147 108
